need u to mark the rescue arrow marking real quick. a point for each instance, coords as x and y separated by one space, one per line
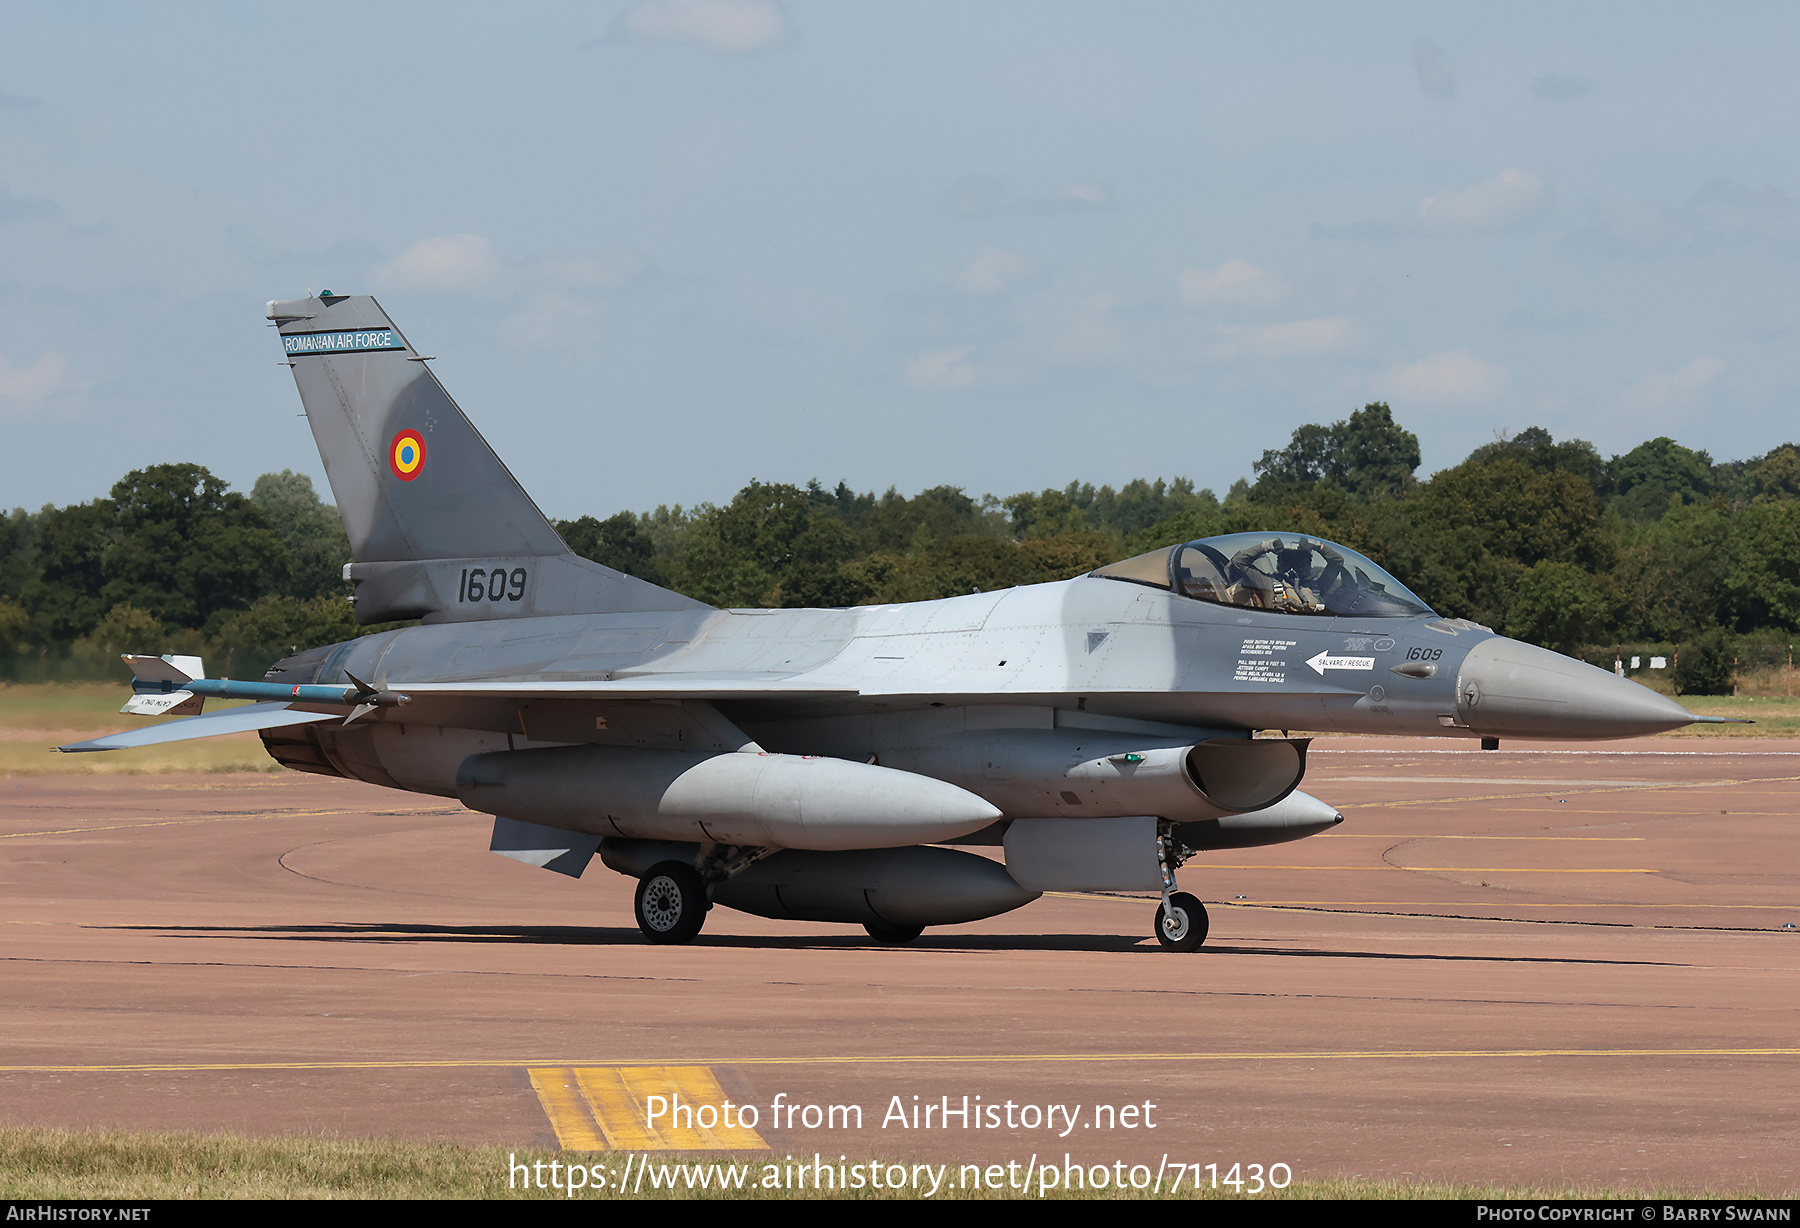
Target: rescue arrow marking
1325 661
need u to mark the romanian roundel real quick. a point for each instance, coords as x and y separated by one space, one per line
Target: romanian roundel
406 455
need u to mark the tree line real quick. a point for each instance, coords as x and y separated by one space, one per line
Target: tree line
1546 541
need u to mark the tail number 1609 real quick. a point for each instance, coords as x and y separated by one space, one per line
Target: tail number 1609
481 584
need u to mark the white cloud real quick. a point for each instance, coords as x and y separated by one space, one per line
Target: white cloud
985 196
602 273
446 262
1236 283
944 369
1082 196
1511 198
1660 395
1637 229
992 270
1090 332
1453 377
723 25
23 389
1432 68
1721 214
26 208
1313 338
552 320
1558 87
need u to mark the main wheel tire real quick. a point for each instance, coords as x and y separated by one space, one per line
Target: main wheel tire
882 931
671 902
1184 927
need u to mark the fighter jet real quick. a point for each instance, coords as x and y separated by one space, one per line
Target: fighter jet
837 764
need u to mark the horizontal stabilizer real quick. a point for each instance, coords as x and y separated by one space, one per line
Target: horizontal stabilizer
247 719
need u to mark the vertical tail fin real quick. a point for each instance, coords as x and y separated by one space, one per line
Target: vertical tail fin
439 528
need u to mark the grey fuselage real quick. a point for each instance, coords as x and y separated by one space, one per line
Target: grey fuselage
960 689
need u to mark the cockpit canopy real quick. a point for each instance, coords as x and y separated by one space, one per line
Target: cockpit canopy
1289 573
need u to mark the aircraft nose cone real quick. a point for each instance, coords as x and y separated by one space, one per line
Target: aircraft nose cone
1506 687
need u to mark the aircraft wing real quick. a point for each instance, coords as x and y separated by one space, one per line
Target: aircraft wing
253 717
649 686
247 719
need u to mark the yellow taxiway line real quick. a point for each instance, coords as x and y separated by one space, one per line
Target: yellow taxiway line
915 1059
639 1108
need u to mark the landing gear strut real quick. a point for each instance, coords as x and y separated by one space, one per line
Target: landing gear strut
1181 921
671 902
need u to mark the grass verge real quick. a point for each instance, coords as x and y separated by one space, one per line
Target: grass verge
1775 716
36 718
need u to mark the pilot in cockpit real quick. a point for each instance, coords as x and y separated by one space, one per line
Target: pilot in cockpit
1278 575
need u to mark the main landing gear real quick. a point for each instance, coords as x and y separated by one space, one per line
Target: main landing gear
671 902
1181 921
674 897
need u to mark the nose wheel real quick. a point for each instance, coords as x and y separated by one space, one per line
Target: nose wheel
1181 921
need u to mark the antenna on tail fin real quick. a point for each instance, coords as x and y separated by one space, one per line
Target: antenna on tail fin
439 528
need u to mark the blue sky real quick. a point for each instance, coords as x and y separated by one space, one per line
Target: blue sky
663 248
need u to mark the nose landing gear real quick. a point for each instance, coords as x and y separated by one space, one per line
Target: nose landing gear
1181 920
